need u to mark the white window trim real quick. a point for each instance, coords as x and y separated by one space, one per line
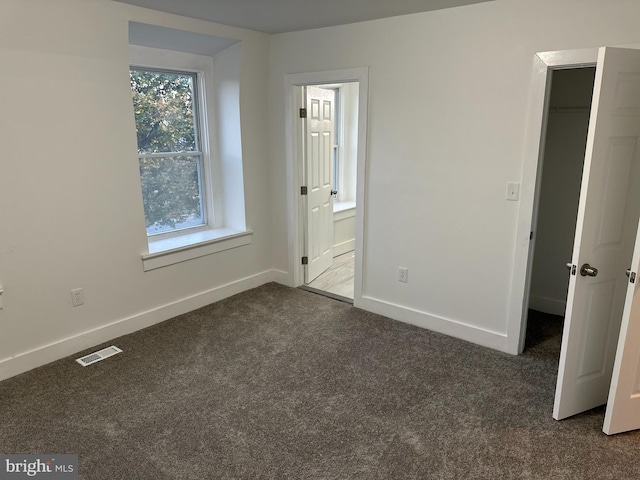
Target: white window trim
202 67
346 190
172 250
344 210
339 145
175 247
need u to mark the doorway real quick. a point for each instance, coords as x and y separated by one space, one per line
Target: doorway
330 238
349 198
599 355
558 193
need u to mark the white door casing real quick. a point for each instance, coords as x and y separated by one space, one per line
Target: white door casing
605 236
319 123
543 64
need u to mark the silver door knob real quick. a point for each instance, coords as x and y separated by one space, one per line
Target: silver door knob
587 270
569 266
627 272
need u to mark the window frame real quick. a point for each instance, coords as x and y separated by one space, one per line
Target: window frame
343 206
170 61
338 137
201 139
220 233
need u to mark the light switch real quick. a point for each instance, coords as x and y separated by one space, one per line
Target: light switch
513 191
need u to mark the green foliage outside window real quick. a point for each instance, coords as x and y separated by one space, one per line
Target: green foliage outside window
164 107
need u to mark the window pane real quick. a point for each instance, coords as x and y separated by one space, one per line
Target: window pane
171 193
165 114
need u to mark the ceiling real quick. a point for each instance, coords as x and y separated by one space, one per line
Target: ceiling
278 16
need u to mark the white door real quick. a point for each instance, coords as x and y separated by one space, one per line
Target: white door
319 177
623 406
605 236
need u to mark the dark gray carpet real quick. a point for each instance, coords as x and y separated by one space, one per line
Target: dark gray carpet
278 383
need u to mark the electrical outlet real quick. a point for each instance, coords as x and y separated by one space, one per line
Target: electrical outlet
77 297
403 274
513 191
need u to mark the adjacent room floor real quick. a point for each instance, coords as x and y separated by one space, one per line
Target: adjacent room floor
279 383
338 279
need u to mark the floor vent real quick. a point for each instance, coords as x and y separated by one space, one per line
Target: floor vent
97 356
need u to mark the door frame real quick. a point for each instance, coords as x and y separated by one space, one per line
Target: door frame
295 179
535 138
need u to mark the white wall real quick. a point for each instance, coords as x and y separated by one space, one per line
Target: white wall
344 232
560 188
71 210
448 104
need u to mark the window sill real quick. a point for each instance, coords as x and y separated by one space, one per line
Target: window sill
169 251
343 210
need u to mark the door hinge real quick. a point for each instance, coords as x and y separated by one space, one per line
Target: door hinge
303 190
303 113
305 260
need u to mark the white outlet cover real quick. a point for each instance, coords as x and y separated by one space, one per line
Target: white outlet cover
513 191
77 297
403 274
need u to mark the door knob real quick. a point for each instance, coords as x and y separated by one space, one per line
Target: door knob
569 266
334 192
587 270
627 272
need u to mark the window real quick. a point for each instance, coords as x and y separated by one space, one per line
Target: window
345 148
337 134
189 149
169 149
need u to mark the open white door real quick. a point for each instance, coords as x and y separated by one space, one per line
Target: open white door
605 236
319 177
623 406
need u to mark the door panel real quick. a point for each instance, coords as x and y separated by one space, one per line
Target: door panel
319 176
593 351
617 182
605 235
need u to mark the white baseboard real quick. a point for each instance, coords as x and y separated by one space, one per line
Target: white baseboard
282 277
453 328
344 247
548 305
26 361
